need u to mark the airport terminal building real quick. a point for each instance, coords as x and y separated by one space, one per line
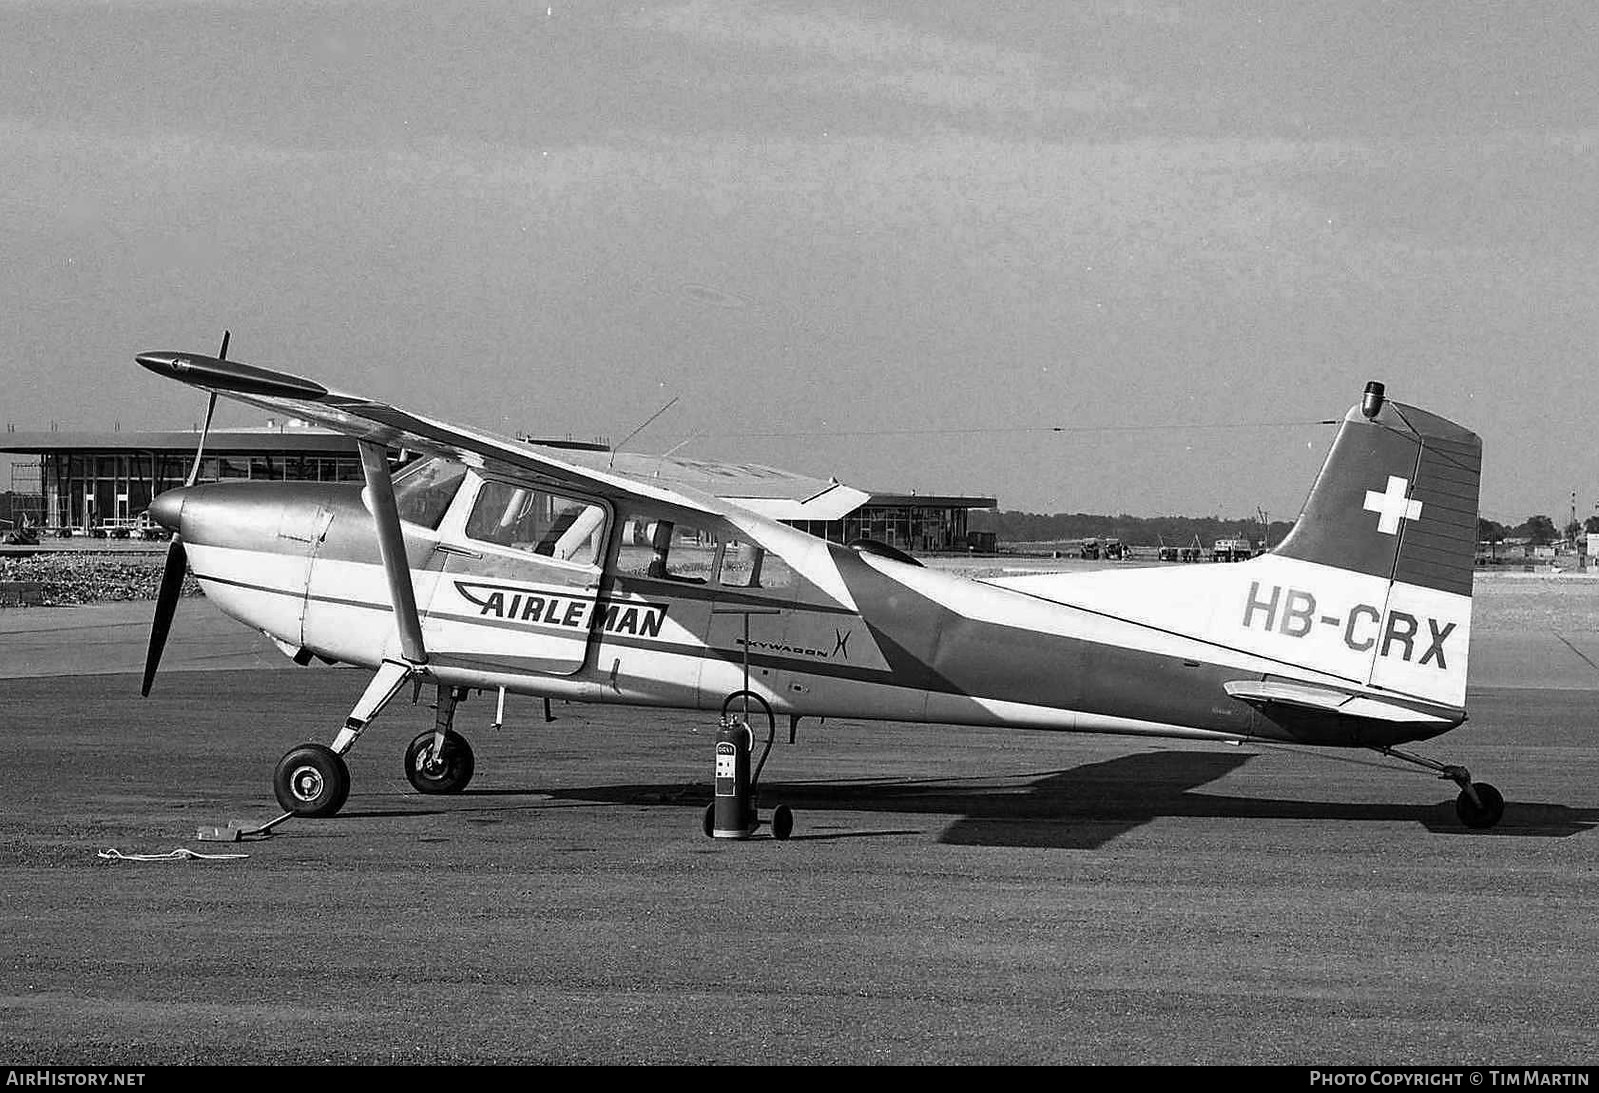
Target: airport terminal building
81 482
918 524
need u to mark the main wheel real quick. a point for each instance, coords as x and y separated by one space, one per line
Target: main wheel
1483 812
446 773
312 780
708 821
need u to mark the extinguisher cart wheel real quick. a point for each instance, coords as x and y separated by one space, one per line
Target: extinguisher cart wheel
782 822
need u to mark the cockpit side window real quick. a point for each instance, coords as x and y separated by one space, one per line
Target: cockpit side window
525 518
423 491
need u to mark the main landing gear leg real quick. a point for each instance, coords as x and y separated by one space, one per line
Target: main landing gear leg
1479 805
440 761
313 780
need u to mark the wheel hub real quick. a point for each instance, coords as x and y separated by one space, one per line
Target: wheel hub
307 783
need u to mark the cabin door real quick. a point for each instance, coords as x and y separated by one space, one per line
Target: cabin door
518 588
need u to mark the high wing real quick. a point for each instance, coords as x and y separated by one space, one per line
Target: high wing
692 484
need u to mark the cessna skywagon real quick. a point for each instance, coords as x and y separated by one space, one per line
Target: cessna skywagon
493 565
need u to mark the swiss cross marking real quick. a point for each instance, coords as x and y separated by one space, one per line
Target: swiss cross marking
1392 506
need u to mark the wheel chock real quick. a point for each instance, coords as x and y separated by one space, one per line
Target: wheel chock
210 833
239 830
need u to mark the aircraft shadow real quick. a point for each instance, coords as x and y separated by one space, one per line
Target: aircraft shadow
1087 806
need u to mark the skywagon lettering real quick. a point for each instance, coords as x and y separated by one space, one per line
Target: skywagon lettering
541 607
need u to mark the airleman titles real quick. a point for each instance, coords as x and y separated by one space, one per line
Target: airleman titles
569 611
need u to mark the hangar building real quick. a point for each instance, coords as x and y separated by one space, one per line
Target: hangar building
82 481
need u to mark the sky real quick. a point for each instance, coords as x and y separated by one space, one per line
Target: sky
1082 257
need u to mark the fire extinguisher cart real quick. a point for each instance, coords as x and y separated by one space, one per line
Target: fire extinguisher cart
733 812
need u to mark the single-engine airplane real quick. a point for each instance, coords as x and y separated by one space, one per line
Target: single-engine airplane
498 565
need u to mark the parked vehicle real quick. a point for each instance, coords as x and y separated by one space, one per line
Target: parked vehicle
1232 550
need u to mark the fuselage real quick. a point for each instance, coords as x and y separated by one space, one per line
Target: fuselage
808 628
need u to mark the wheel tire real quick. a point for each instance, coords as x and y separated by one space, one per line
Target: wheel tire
782 822
449 776
312 781
1484 815
708 821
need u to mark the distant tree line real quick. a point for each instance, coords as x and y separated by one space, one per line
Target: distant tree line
1537 530
1033 527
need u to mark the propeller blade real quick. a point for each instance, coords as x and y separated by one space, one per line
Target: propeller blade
177 563
166 604
210 408
199 449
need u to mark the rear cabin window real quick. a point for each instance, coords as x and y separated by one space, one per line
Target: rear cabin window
669 550
694 554
423 491
745 565
567 529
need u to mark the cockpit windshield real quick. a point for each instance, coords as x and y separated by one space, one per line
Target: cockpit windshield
423 491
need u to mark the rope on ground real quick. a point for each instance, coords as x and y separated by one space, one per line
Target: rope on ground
182 853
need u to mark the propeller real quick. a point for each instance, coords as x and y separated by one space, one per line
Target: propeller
177 562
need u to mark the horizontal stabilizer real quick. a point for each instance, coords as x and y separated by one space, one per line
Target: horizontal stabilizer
834 503
1325 699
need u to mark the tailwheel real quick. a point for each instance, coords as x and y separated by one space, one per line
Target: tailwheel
446 772
312 780
1479 805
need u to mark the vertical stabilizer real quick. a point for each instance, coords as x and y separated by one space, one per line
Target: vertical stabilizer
1397 499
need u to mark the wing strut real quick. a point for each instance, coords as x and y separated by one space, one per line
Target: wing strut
391 544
